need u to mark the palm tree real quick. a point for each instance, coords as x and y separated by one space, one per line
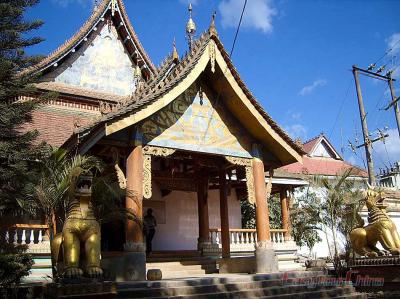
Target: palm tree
56 187
56 184
338 194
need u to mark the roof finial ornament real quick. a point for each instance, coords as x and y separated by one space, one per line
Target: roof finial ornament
95 5
190 27
137 75
213 30
175 56
114 6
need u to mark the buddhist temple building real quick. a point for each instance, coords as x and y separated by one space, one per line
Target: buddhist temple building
189 137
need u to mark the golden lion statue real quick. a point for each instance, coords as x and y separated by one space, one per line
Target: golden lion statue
80 228
380 229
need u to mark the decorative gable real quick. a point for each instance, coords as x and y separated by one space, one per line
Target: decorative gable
322 148
102 64
195 122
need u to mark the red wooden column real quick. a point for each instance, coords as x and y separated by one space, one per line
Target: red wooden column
202 204
134 197
285 212
266 260
262 211
224 214
132 266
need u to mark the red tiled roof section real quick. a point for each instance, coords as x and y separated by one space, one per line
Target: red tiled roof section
57 125
323 166
309 145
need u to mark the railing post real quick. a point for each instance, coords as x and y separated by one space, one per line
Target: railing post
285 212
16 236
32 237
40 236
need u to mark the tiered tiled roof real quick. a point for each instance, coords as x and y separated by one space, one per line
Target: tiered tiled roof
162 83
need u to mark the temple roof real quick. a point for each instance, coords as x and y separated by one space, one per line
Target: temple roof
125 28
322 159
173 78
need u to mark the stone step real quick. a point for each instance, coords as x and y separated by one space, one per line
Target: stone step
208 288
353 296
154 259
293 291
174 265
217 279
239 286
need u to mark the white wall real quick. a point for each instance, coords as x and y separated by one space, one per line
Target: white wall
180 231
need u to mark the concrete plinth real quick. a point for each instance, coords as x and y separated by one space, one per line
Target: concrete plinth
245 264
266 259
91 289
134 266
128 266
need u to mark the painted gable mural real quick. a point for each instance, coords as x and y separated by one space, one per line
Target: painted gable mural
195 122
102 65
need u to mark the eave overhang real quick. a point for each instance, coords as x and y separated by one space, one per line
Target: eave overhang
240 105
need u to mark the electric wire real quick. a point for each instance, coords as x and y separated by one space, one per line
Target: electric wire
340 109
226 69
387 52
238 27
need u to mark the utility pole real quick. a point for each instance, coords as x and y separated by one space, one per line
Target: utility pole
367 141
394 102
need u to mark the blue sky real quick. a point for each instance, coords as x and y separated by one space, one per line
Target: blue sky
295 56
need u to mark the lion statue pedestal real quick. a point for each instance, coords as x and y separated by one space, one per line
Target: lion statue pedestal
376 270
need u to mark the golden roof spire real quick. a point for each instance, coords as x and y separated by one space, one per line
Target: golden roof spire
190 27
212 29
175 56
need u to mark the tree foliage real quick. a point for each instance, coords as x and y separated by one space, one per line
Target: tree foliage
56 185
16 145
17 150
305 219
248 211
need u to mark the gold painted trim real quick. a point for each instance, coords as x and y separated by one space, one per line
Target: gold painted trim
147 192
238 161
148 152
251 194
248 165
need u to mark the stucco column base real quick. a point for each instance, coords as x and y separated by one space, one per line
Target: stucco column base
266 259
206 248
132 264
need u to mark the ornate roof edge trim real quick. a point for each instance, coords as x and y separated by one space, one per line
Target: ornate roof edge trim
82 34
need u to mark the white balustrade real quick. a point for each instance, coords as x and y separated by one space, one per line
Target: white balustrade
25 234
244 239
